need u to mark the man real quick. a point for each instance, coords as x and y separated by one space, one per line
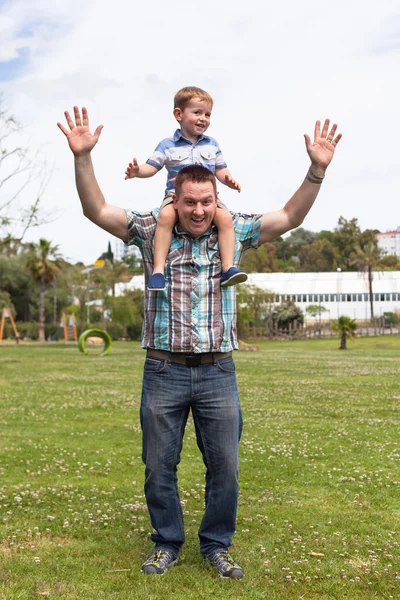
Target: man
189 334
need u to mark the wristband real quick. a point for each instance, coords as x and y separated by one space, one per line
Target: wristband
313 178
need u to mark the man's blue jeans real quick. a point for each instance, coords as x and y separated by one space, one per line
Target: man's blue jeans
169 392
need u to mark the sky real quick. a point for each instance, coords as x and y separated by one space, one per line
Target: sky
273 68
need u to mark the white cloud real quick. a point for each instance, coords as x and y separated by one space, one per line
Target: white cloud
272 68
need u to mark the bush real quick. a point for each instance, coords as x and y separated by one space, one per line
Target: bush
29 329
115 330
391 318
285 314
134 332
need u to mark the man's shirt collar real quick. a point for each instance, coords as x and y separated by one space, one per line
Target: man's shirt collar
181 232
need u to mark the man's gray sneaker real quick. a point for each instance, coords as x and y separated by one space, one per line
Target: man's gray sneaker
225 565
159 562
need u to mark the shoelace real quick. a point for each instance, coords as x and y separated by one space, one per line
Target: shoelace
223 557
158 557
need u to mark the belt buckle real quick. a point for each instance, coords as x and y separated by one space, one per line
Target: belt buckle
193 360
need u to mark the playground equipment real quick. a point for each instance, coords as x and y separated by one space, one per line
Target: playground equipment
6 314
97 335
67 328
70 328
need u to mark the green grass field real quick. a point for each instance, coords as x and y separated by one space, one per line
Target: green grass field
319 513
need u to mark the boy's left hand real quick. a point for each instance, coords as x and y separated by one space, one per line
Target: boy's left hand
230 182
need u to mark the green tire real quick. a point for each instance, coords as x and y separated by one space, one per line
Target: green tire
95 333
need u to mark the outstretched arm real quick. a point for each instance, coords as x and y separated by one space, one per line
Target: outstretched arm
95 208
140 171
321 152
224 176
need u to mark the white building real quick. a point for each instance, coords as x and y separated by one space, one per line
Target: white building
389 242
122 250
341 293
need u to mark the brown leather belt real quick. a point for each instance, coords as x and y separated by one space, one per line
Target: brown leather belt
189 360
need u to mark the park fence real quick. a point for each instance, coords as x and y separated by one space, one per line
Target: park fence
300 331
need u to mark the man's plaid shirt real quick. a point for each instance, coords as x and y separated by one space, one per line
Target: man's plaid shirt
193 313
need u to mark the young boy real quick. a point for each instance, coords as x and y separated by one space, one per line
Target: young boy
189 145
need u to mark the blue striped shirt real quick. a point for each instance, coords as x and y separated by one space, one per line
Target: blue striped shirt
193 313
177 152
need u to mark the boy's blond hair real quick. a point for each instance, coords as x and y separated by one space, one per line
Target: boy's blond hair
182 97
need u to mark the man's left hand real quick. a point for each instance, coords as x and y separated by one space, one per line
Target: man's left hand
322 149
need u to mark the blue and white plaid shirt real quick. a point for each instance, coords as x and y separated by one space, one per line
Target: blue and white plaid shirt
177 152
193 313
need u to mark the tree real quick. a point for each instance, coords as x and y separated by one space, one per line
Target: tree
391 318
346 237
19 168
100 288
299 237
5 302
285 314
43 263
15 280
365 259
76 279
389 262
320 255
262 260
114 272
289 249
315 310
127 310
346 328
252 303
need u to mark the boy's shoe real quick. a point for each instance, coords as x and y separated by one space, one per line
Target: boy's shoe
159 562
156 282
225 565
232 276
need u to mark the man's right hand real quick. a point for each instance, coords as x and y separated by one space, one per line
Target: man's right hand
80 140
132 170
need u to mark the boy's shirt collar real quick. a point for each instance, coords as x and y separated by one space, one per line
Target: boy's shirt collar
178 136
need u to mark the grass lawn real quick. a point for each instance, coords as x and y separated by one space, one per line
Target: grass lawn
319 513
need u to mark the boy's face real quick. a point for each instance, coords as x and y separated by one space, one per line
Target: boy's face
194 119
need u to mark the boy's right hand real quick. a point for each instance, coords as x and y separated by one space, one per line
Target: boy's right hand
132 170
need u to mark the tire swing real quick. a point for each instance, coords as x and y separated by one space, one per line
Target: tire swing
98 333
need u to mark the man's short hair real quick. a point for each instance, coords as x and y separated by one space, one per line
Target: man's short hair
187 93
195 174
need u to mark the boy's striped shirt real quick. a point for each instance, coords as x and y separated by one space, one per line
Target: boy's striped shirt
177 152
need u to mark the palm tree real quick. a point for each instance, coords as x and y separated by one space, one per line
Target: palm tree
365 259
44 264
346 328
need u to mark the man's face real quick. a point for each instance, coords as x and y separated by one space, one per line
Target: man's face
196 207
